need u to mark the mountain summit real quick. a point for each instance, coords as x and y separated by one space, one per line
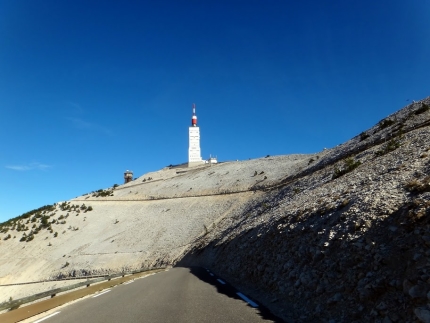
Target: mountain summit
343 234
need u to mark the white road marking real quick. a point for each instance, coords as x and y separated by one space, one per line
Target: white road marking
211 274
127 283
221 281
46 317
100 294
246 299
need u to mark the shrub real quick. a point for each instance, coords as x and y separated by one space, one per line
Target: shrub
55 234
90 208
418 186
363 136
424 107
28 214
103 193
349 164
392 145
385 123
344 203
44 222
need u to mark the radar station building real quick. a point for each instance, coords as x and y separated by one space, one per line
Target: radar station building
128 176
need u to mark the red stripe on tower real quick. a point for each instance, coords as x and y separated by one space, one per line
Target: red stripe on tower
194 117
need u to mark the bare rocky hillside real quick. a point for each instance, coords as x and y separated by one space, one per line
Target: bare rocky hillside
346 239
338 236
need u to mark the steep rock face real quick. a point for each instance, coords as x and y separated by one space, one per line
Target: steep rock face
346 239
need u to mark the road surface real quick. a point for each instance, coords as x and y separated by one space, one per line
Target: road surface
177 295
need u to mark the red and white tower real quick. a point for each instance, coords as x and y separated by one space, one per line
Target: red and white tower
194 117
194 154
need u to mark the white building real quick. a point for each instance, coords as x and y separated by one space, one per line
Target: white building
194 153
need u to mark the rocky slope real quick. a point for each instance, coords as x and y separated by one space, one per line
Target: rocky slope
338 236
346 239
144 223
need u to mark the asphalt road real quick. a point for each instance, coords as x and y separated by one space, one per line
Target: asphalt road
177 295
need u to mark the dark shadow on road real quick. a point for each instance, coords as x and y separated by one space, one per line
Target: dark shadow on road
228 290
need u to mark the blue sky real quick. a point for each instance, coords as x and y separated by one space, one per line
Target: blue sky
89 89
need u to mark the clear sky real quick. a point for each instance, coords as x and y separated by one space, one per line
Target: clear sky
91 88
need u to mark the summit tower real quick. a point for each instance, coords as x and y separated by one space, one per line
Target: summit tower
194 154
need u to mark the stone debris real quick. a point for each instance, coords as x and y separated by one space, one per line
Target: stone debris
348 248
338 236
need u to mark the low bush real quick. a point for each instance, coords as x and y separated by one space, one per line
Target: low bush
103 193
386 123
363 136
349 164
418 186
424 107
392 145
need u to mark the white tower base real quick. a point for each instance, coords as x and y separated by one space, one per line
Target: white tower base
194 154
